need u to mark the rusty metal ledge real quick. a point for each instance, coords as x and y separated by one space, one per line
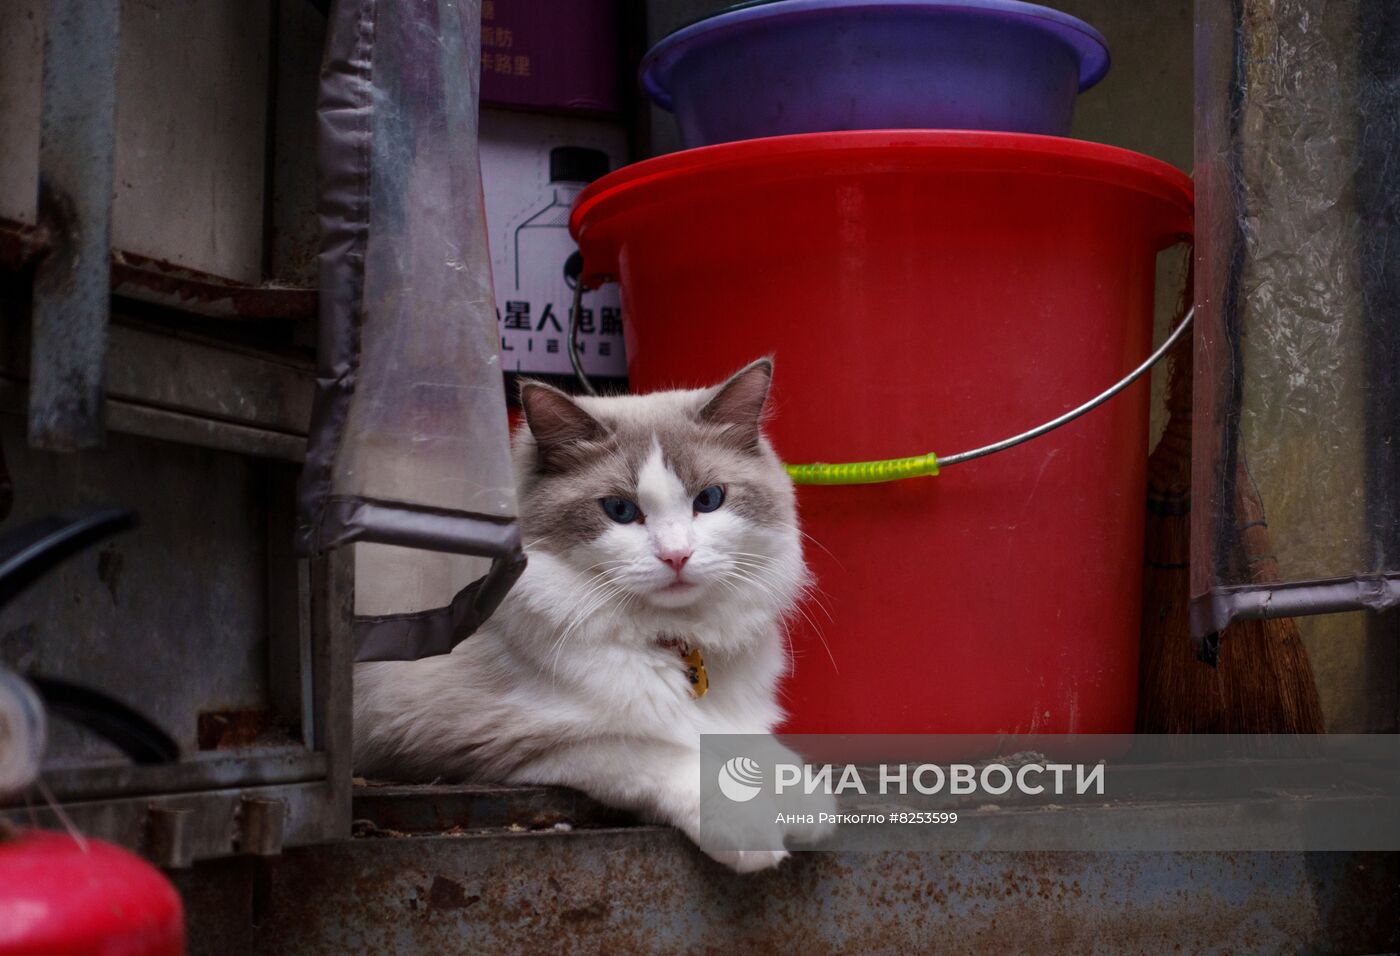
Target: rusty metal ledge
420 810
646 890
497 869
1275 812
162 283
20 245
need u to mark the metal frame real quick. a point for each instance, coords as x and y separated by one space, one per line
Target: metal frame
212 805
76 147
161 371
1219 479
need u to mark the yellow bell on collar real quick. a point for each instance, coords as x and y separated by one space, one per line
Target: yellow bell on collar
694 662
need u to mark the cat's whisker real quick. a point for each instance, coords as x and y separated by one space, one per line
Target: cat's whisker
818 599
809 591
604 584
755 578
814 595
603 589
537 540
787 642
800 607
817 631
804 534
615 563
754 575
773 585
727 577
728 585
767 568
579 619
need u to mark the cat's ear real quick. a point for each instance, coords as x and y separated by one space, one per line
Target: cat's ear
556 421
738 403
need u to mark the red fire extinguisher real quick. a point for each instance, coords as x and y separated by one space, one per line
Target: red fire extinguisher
62 894
62 897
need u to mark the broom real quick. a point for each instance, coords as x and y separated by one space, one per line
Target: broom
1267 684
1263 682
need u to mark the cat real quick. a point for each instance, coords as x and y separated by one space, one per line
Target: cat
657 526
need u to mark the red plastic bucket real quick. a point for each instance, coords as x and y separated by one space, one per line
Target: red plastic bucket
924 291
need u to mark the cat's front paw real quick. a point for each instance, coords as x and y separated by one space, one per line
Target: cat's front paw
812 822
750 861
809 834
757 829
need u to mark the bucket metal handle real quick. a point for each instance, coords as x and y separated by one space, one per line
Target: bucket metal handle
895 469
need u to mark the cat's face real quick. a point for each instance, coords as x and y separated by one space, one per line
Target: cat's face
668 499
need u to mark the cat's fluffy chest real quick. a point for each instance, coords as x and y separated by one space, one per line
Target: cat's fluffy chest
624 676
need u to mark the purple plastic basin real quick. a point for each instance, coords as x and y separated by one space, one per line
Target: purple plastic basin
807 66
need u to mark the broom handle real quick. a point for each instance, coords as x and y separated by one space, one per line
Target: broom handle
1256 546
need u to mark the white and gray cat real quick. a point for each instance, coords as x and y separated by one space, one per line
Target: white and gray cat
657 526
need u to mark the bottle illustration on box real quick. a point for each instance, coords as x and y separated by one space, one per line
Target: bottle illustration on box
535 321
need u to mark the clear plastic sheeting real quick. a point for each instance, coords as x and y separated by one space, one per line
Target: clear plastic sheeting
409 445
1298 309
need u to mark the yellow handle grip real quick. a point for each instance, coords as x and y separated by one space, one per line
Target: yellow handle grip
863 472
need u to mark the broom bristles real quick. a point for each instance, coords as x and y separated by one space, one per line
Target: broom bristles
1177 693
1271 688
1263 682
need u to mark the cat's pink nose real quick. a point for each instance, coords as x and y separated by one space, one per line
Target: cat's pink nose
675 560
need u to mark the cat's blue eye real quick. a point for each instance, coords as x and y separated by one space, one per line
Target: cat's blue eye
709 499
620 509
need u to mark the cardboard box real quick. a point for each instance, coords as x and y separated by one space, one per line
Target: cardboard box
532 167
550 54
